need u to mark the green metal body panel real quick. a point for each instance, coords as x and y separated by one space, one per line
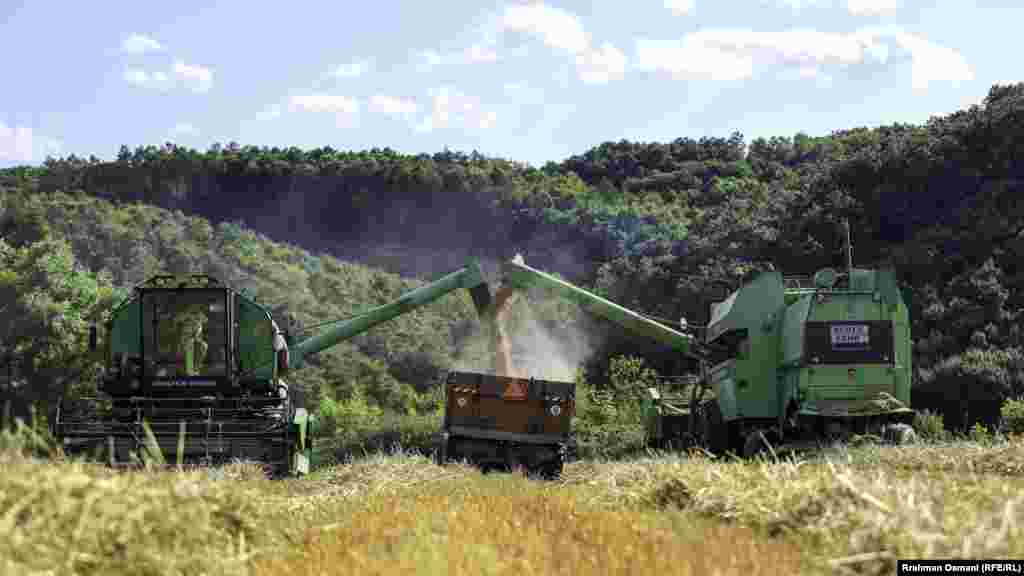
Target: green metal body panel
255 340
746 385
748 308
124 334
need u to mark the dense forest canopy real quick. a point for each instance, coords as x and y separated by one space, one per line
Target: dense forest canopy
660 227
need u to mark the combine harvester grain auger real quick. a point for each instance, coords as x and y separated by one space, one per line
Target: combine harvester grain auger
780 367
202 365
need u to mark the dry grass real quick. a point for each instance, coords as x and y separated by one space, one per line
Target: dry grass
844 512
505 524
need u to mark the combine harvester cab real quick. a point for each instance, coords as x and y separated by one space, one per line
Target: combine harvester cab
499 422
202 366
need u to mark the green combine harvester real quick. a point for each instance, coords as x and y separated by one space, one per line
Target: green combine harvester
789 367
794 363
784 363
203 365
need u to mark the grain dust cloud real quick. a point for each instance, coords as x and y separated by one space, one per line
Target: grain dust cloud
534 351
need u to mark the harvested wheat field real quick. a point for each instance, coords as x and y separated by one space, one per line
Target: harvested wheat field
849 511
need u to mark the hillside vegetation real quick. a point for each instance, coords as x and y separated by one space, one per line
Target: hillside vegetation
660 227
69 257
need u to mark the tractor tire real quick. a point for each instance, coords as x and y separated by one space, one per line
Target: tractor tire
757 442
715 431
900 434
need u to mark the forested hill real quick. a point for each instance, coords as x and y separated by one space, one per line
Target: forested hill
660 227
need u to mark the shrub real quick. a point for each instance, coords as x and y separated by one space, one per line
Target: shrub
929 425
1012 412
607 425
980 434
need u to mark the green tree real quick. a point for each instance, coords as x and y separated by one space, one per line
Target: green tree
49 303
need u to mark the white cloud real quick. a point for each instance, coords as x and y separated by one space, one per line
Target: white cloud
555 27
352 69
143 79
392 106
511 88
15 143
453 106
562 30
734 53
199 77
692 59
478 53
878 51
184 128
344 108
796 5
139 44
487 119
931 62
680 7
796 46
968 101
810 73
602 65
136 76
428 60
53 147
871 7
324 103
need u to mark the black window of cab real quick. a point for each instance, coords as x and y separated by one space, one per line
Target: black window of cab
732 345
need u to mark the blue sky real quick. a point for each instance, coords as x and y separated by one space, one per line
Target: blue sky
531 82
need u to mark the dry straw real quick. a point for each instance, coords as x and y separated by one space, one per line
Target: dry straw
846 511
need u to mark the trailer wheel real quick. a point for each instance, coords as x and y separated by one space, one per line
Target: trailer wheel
441 456
549 470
